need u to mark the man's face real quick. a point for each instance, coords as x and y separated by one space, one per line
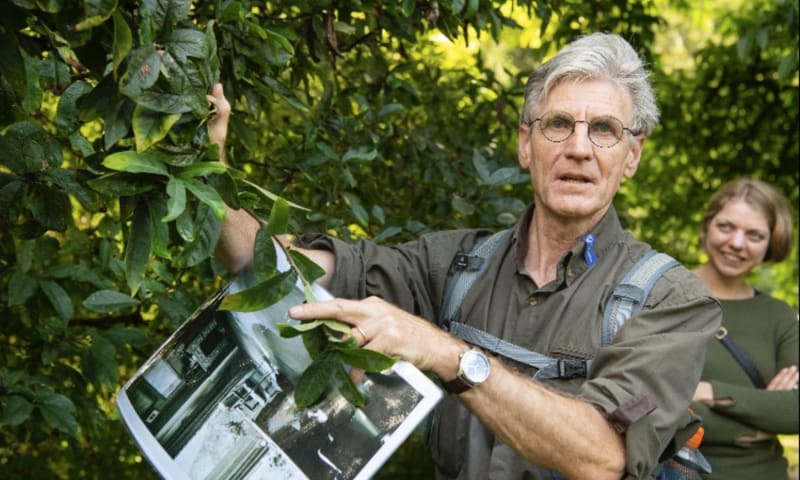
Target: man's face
574 179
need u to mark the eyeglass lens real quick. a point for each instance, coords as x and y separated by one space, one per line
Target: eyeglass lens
605 131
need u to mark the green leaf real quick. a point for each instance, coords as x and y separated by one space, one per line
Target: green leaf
315 381
16 409
97 12
308 270
337 326
144 65
151 127
59 412
121 184
207 195
344 384
284 92
316 342
289 330
365 359
176 201
123 40
269 194
69 181
107 301
262 295
206 231
462 206
21 287
185 226
67 120
12 65
361 154
163 102
117 122
265 259
158 210
184 43
359 212
25 147
135 162
137 250
32 101
278 217
50 208
99 363
122 336
201 169
58 297
212 60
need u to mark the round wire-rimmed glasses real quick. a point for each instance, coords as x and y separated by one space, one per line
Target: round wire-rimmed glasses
604 131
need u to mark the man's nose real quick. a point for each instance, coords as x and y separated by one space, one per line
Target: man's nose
579 142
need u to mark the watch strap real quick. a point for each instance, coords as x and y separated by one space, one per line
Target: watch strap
456 385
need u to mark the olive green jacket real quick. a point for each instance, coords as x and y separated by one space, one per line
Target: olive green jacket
642 382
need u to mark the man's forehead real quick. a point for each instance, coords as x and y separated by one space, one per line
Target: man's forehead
593 96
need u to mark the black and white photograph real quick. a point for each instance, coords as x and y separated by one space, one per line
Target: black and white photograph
217 401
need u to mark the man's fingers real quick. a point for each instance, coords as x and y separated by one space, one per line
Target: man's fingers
217 98
339 309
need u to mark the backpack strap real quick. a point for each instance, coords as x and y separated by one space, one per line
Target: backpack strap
630 294
468 268
627 298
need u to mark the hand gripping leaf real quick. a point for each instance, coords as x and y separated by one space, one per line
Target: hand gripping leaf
329 343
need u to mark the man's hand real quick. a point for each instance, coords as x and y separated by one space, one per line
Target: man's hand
218 120
380 326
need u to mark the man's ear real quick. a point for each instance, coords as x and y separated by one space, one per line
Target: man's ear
635 155
524 146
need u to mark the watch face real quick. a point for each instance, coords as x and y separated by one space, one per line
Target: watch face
475 367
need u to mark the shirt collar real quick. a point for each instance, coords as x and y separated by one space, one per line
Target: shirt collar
606 233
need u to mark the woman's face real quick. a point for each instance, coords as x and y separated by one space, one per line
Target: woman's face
737 239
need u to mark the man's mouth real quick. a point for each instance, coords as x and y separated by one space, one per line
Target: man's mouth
575 178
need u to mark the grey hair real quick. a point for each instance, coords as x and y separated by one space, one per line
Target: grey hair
599 56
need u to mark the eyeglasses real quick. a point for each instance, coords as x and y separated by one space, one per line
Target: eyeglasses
605 131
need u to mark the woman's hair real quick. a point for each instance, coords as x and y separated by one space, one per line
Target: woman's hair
766 199
599 56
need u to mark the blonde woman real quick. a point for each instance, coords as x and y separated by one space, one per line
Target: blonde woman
747 223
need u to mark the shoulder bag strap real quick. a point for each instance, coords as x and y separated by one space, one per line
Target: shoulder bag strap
741 357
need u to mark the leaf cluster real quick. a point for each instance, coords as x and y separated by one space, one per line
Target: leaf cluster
368 112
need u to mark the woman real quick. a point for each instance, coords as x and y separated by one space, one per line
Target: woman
746 223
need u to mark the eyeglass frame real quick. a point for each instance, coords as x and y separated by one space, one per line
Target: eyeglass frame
588 129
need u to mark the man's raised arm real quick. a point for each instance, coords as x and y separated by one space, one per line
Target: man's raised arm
235 246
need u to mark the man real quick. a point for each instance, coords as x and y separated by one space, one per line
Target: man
587 113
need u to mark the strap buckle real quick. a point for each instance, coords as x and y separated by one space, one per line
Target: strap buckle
721 333
571 368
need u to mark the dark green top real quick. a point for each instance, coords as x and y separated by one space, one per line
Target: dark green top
767 330
642 382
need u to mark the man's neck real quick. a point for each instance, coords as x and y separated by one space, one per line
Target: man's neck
549 239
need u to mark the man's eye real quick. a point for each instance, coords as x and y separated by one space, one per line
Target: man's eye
602 127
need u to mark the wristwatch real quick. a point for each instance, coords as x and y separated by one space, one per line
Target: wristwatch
473 369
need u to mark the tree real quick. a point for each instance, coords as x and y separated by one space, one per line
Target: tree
111 197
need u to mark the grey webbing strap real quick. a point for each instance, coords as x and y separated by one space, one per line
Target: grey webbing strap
630 294
547 367
468 269
627 298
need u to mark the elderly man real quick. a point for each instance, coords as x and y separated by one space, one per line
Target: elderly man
587 113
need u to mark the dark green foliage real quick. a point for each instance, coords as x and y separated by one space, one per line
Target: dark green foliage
111 200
